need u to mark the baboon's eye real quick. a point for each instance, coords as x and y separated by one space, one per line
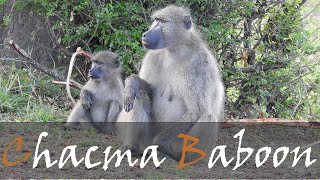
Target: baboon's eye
97 62
161 20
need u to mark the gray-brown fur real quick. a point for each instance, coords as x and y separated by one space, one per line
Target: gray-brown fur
183 81
100 99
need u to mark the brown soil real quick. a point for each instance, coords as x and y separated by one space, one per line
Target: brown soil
254 137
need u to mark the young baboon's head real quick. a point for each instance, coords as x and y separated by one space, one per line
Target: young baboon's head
104 64
171 27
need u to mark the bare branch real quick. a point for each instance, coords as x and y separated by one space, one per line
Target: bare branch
64 83
72 61
12 59
143 10
270 121
310 12
262 68
39 66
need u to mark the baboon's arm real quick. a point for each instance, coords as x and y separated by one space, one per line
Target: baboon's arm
86 99
133 85
113 111
195 99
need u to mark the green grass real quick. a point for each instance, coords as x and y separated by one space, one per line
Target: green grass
27 95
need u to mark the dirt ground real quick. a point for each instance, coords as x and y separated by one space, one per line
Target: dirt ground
58 138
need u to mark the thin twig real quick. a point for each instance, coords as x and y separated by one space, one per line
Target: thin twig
143 10
270 121
310 145
12 59
310 12
81 52
64 83
262 68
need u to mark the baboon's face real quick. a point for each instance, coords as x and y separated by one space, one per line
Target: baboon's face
103 65
169 28
154 38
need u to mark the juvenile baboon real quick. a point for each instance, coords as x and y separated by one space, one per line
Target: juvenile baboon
182 79
101 98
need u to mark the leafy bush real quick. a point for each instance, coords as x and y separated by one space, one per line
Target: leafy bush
262 47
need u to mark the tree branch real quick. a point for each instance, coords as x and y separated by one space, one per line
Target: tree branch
64 83
270 121
39 66
81 52
262 68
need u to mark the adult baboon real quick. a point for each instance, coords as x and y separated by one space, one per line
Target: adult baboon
101 98
183 81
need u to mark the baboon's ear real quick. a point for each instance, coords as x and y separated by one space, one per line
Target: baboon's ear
187 22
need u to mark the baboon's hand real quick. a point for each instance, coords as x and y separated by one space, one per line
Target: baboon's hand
128 100
86 99
133 85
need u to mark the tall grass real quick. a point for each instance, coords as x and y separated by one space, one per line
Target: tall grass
27 95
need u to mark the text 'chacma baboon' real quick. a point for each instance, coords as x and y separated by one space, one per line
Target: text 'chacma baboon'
182 83
101 98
